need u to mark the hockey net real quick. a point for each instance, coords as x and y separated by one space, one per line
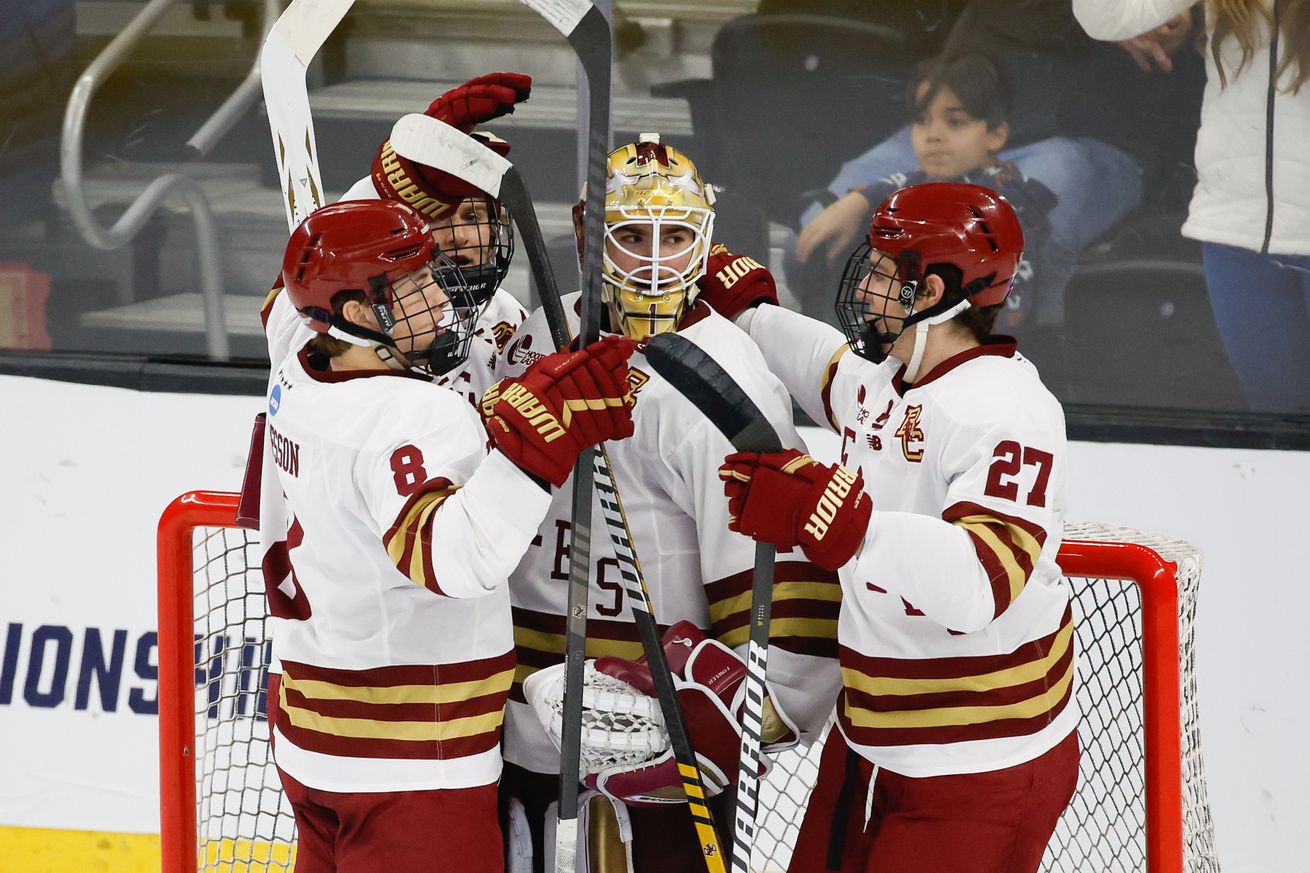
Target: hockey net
1140 806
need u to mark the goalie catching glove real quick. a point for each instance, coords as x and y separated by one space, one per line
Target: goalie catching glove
708 677
563 404
734 283
789 499
625 745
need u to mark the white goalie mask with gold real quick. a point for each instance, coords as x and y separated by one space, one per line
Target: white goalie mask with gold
659 220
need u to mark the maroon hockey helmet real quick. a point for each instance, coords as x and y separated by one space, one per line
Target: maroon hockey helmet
936 224
345 247
368 246
969 227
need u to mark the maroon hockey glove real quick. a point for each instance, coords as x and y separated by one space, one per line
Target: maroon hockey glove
708 677
789 499
564 403
436 193
733 283
480 100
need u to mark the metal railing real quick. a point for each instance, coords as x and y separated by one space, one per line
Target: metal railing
165 185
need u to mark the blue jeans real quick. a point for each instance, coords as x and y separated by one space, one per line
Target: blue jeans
1097 185
1261 305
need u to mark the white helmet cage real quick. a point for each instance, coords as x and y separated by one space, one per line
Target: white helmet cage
659 272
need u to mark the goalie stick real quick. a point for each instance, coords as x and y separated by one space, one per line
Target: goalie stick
700 379
428 141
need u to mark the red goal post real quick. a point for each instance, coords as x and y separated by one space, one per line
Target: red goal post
1141 803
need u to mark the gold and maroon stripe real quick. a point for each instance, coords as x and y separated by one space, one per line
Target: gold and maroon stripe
825 392
897 701
806 602
1007 547
539 642
430 712
409 541
267 308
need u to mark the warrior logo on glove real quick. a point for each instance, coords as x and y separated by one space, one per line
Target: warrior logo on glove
563 404
469 226
789 499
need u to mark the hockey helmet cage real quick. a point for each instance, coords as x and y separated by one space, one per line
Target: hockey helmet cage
481 243
968 227
383 250
652 191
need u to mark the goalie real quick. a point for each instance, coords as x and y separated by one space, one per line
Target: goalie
658 259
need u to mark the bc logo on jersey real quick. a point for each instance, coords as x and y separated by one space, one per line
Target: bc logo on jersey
275 400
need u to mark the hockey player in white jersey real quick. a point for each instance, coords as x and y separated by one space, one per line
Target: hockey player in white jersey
658 257
471 228
956 746
389 531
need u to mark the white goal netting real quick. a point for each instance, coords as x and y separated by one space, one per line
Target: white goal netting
242 822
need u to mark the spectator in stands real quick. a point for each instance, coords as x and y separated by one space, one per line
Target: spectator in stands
960 124
1251 206
1084 122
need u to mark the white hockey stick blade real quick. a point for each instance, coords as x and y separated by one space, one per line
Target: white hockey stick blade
433 143
563 15
291 45
566 845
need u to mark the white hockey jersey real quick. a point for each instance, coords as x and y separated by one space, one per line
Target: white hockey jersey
388 535
956 634
696 569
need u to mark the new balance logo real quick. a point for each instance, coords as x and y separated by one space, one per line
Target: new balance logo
537 415
839 486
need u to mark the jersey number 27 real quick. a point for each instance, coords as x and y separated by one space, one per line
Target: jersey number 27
1008 459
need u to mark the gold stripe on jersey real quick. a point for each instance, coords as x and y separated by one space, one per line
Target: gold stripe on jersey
377 729
554 643
784 627
452 692
1008 548
914 701
908 687
539 642
825 390
409 540
435 711
1039 703
806 603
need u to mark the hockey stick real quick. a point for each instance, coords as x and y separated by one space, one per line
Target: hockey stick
430 142
292 43
700 379
588 31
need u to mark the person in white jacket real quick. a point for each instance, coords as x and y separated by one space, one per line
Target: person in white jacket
1251 206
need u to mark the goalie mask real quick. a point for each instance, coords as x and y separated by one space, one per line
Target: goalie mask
659 219
968 234
384 253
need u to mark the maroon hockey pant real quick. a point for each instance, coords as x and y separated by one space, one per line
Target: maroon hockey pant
438 831
994 822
